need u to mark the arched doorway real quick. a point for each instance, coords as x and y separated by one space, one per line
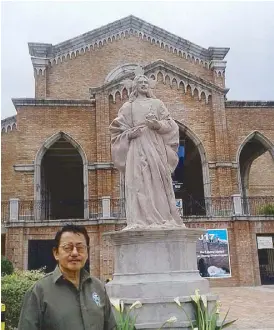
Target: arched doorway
191 181
61 179
191 177
253 147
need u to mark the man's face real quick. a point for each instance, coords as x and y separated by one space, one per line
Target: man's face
142 85
72 252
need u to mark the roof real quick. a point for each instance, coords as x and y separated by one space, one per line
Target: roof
128 25
249 104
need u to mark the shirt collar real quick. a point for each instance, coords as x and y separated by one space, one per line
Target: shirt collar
57 274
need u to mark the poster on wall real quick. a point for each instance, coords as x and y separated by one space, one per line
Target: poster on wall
265 242
212 250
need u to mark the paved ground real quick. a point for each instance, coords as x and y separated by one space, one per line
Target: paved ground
252 306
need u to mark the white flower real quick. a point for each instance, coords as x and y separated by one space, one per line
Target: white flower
177 300
218 307
116 303
204 300
137 304
196 297
197 292
172 319
122 306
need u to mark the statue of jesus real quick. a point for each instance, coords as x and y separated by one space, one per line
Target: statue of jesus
144 144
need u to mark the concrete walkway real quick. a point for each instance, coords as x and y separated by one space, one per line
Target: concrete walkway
252 306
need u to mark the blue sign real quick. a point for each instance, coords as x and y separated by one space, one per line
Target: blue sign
213 259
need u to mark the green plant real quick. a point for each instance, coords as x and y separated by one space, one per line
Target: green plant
171 320
267 209
124 319
13 289
6 266
205 319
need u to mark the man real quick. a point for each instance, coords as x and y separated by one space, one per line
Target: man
68 298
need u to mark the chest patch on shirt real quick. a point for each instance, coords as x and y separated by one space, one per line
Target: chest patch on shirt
96 299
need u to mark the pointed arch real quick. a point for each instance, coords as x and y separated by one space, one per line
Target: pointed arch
205 168
174 83
37 167
182 86
259 137
252 147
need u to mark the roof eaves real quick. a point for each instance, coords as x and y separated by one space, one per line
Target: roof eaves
127 23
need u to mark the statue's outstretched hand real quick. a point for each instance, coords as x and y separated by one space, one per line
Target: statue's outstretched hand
153 123
135 133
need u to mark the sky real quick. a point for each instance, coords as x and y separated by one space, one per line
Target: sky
246 27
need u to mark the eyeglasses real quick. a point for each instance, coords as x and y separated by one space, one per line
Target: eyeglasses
68 247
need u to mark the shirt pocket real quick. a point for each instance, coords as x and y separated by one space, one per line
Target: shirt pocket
94 314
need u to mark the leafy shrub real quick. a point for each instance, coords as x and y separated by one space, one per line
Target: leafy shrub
267 209
6 266
13 289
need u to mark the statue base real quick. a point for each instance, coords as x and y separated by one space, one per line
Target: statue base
155 266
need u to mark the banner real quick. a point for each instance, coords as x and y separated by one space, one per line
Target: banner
213 259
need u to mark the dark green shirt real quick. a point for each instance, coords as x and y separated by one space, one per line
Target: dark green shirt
54 303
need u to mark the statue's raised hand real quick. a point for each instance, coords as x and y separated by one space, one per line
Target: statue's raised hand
152 122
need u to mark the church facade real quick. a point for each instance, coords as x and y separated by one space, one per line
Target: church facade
56 158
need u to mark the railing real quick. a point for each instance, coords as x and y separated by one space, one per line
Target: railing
220 206
5 211
106 207
95 208
258 205
215 206
117 208
30 210
59 209
26 209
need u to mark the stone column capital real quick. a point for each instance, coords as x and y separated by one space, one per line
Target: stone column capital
218 66
39 64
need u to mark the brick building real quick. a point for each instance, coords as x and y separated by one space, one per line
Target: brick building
56 162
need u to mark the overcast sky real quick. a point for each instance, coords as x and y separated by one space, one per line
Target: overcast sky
246 27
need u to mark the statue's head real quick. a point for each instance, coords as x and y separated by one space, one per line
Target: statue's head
140 85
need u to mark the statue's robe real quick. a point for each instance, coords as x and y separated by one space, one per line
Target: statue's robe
147 162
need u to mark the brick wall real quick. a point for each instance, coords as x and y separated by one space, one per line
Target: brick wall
72 78
221 131
261 177
101 251
9 144
240 123
242 247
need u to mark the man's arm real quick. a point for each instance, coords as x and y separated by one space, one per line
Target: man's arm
30 317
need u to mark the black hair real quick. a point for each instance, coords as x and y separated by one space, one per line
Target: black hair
72 229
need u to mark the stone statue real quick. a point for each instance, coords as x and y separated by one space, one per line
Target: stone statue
144 143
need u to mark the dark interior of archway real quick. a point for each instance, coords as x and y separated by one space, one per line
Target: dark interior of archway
251 150
62 188
188 178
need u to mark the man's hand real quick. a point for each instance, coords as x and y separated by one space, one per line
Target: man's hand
136 132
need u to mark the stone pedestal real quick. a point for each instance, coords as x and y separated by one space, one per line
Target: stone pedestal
154 266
